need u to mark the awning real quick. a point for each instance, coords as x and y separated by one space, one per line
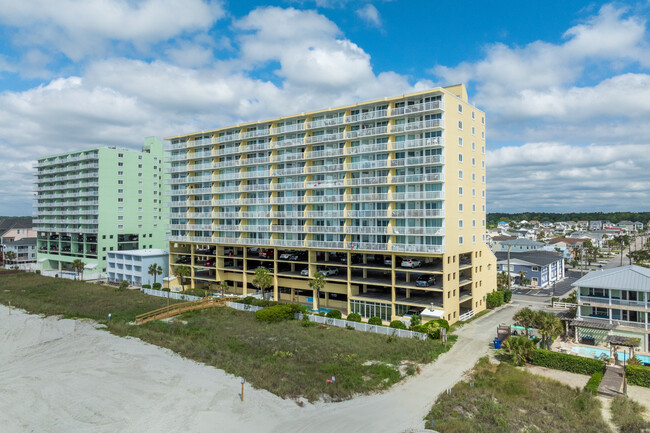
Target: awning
42 260
592 324
169 278
619 340
436 314
91 266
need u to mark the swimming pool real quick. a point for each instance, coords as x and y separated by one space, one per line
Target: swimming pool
595 352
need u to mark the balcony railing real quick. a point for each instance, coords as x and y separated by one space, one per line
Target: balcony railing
415 248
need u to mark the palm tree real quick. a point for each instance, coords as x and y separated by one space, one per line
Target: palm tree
317 284
155 269
10 256
525 317
520 349
180 272
522 275
78 266
549 326
262 280
222 287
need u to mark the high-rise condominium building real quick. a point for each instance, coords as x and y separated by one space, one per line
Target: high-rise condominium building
98 200
386 198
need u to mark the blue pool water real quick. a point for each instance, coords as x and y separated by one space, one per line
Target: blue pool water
595 352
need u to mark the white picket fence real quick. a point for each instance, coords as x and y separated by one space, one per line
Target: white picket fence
564 305
171 295
243 307
466 316
358 326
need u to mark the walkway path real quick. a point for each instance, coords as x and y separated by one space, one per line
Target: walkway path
612 383
67 376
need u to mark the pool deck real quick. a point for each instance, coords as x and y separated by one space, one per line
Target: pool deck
567 347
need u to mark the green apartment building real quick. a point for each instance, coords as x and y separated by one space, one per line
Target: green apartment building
97 200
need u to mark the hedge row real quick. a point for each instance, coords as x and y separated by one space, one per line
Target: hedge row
498 298
594 381
638 375
565 362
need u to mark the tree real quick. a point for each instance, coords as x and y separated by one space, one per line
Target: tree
262 280
222 287
10 256
180 272
502 280
317 284
519 349
522 275
79 267
155 270
525 317
549 326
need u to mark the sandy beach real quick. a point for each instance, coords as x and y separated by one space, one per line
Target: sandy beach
60 375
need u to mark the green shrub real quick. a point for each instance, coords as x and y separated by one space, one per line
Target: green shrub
262 303
419 328
156 286
275 313
397 324
507 295
354 317
494 299
248 300
638 375
518 350
166 289
565 362
375 321
594 381
334 314
442 323
38 272
123 285
433 329
415 320
146 286
633 361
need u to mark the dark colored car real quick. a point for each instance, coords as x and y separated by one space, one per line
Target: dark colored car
183 260
425 280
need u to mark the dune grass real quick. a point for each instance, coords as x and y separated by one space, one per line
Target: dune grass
627 415
505 399
286 358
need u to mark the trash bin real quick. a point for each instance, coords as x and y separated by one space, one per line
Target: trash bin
497 344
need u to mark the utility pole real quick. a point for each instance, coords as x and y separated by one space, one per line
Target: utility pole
509 246
629 250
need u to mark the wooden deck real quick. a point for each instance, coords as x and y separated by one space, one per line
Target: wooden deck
183 307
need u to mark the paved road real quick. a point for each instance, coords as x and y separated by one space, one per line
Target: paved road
561 288
615 262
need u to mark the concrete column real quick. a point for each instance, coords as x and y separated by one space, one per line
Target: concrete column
609 295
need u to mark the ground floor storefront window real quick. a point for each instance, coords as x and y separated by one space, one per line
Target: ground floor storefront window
370 309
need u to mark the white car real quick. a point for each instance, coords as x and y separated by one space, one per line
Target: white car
411 263
328 271
305 272
286 255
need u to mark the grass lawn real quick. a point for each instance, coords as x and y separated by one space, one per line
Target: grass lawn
285 358
505 399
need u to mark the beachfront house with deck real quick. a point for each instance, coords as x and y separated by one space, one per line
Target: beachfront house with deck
613 302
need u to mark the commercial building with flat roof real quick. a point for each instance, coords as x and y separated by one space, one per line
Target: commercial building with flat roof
133 266
98 200
386 198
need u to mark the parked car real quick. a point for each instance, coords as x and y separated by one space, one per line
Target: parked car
411 263
253 252
285 255
266 254
328 271
355 258
301 255
228 251
305 272
268 266
208 263
425 280
183 260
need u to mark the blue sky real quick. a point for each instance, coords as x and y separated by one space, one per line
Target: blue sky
565 85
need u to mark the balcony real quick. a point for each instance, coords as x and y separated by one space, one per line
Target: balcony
375 230
381 147
415 126
366 197
432 159
288 214
372 246
367 214
414 248
287 200
327 153
379 130
323 199
416 213
326 244
325 214
418 143
422 195
287 228
606 301
287 185
323 229
417 108
423 231
417 178
366 181
366 165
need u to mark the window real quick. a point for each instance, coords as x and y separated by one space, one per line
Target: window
120 182
474 223
460 174
473 115
120 173
120 200
460 125
483 135
460 190
103 236
140 157
473 162
473 239
473 177
460 157
120 217
120 155
483 179
482 164
120 191
155 167
120 227
140 192
483 120
473 192
139 209
139 226
120 209
483 149
460 207
483 223
139 165
139 183
460 240
460 108
473 145
120 164
473 131
473 208
460 141
483 193
139 217
460 224
534 269
139 174
139 200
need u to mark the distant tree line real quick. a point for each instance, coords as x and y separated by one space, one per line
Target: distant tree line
494 218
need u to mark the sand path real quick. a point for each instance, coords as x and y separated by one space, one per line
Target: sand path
67 376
